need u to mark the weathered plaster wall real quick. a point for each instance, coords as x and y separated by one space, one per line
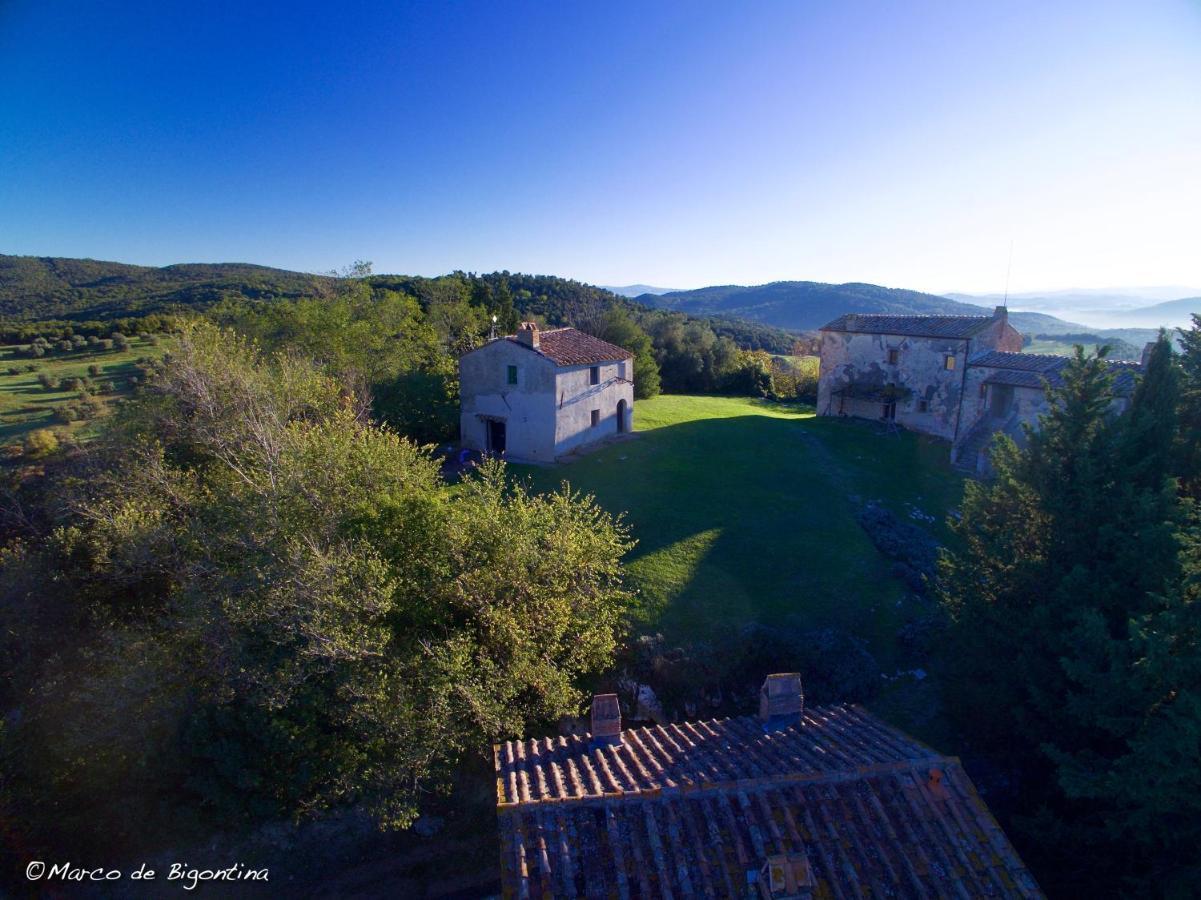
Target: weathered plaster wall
527 408
862 359
576 398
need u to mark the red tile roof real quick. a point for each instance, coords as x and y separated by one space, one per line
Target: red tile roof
690 809
569 347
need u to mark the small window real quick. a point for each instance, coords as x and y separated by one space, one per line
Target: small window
949 362
923 406
594 375
595 417
983 391
893 356
512 374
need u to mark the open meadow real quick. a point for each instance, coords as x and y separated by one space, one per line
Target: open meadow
745 511
26 404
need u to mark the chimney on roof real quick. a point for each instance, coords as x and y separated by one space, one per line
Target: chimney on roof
781 701
606 719
1002 313
528 334
1148 349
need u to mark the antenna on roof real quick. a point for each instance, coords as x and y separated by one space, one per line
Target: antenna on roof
1008 269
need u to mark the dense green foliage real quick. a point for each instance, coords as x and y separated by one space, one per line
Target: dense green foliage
1077 634
246 602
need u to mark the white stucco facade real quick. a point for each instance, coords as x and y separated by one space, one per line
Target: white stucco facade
517 400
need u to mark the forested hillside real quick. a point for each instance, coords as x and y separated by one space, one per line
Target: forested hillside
46 287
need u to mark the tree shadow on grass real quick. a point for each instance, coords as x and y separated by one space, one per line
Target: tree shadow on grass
753 518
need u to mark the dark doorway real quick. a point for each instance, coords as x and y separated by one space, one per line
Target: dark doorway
890 402
621 416
496 436
1001 400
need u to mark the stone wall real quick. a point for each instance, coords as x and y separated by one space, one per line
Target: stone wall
862 360
576 398
527 408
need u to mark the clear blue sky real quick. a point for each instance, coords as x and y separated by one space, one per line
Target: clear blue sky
676 144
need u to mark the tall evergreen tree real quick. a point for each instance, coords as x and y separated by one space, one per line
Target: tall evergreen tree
1057 599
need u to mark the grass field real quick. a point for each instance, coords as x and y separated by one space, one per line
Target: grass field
745 511
25 405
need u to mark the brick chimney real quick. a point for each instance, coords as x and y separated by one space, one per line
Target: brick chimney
1002 313
606 719
528 334
781 701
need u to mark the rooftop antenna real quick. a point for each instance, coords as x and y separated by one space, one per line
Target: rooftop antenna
1008 269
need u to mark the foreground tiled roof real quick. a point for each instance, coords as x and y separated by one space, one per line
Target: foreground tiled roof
1032 369
569 347
688 810
912 326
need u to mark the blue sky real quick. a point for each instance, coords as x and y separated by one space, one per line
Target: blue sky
905 144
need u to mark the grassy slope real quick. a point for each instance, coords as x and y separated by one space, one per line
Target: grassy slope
745 511
25 405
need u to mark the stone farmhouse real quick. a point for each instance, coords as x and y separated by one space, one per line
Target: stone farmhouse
961 378
827 802
538 395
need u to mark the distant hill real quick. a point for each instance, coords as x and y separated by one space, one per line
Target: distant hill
634 290
1172 314
42 287
805 305
74 291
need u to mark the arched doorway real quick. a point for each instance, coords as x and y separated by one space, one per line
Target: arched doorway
621 416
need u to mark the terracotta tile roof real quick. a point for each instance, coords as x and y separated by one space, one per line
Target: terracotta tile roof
912 326
1031 369
688 810
570 347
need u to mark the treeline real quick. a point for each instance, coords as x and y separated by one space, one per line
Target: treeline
246 603
56 330
1074 656
1118 348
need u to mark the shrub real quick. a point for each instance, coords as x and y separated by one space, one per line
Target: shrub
67 413
30 367
40 443
106 344
94 370
65 346
13 370
74 383
49 382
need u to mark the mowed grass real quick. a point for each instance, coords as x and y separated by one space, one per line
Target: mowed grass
745 511
26 406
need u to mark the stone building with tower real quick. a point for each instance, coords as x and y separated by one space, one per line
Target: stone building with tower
961 378
540 395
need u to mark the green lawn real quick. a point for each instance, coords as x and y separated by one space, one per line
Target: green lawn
744 511
25 405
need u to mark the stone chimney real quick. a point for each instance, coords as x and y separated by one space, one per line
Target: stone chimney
781 701
528 334
1002 313
606 719
1148 349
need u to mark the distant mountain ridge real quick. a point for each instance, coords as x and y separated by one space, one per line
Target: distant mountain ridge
806 305
634 290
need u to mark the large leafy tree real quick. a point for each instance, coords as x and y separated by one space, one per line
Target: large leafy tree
617 327
268 606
